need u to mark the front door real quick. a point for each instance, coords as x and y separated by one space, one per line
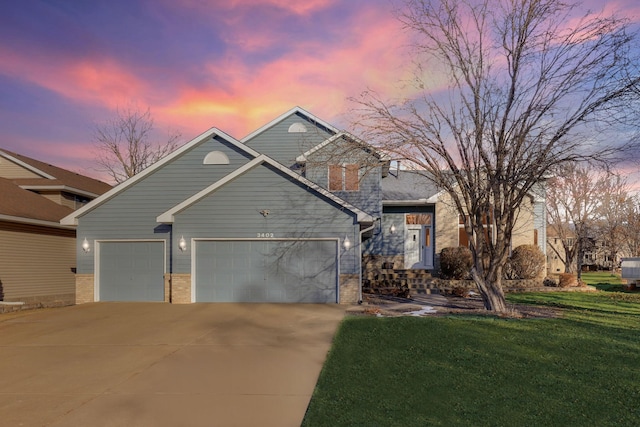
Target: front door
418 250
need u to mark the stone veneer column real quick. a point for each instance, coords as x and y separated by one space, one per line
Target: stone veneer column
85 288
181 288
167 287
349 288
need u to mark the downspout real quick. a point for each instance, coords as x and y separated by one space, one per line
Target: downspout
360 269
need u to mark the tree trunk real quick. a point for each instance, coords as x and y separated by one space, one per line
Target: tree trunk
491 292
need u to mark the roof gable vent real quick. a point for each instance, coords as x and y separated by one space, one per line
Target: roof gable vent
216 158
297 128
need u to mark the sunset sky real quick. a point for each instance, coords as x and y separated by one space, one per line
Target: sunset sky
233 64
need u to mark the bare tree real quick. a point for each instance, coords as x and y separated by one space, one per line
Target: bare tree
574 197
611 215
631 226
528 86
124 146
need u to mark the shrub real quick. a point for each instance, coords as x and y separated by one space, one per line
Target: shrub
568 280
455 263
526 262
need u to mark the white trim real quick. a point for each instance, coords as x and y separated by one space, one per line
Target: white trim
26 165
303 157
284 116
253 239
72 219
96 261
168 217
431 200
53 224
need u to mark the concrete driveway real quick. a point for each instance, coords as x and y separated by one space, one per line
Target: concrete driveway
154 364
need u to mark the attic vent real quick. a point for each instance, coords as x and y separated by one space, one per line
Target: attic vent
216 158
297 128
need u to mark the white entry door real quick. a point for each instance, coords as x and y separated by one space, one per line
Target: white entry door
418 247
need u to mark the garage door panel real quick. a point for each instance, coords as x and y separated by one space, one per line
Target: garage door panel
131 271
266 271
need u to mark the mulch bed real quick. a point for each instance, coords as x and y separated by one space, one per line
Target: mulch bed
452 305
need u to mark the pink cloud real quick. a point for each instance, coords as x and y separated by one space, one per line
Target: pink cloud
295 7
100 81
313 75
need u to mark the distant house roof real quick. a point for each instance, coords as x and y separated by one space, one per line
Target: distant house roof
17 204
403 186
55 178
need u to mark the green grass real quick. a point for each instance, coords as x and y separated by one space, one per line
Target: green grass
604 281
579 370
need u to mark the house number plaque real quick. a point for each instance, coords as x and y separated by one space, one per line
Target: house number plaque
265 235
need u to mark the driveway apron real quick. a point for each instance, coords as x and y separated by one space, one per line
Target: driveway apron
155 364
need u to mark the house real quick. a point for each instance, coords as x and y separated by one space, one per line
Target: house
287 214
597 255
37 253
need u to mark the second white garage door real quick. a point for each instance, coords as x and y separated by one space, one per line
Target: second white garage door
287 271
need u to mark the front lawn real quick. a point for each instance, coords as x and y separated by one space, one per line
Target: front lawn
579 370
604 281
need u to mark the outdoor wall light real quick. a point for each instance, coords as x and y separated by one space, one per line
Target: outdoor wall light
392 229
85 245
182 244
347 242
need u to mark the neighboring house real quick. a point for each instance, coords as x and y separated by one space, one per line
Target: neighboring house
37 253
597 255
286 214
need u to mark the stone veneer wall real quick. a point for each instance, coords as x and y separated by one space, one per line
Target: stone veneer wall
180 288
349 288
375 262
167 288
84 288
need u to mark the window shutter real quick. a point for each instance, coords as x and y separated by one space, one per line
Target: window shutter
335 177
352 177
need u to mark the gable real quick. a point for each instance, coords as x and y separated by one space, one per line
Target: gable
11 168
167 182
264 200
291 177
284 140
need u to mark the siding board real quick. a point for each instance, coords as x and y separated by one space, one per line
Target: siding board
233 212
36 262
133 212
277 143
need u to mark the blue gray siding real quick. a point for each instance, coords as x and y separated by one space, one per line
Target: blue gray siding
369 196
386 243
295 211
277 143
132 213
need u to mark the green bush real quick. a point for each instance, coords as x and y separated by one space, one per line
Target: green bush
455 263
526 262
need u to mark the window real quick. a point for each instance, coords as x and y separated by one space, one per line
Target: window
418 218
463 238
344 177
216 158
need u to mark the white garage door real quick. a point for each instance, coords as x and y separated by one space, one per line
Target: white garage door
289 271
131 271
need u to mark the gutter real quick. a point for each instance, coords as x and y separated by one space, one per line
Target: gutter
31 221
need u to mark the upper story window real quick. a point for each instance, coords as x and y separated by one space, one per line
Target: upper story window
344 177
216 158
